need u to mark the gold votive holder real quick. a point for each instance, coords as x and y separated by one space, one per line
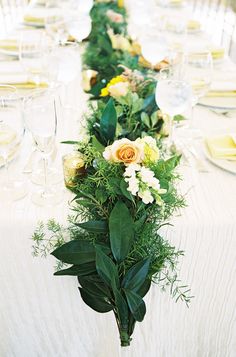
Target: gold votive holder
73 168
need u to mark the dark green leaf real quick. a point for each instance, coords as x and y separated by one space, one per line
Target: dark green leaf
94 226
109 121
122 308
121 229
135 277
106 268
70 142
96 303
136 305
78 270
144 288
126 193
93 286
75 252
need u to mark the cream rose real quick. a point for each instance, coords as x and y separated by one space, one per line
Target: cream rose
124 150
119 42
119 89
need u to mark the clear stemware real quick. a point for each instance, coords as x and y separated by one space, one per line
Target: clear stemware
173 97
11 135
34 47
41 119
198 68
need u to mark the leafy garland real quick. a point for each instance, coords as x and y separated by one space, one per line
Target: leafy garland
125 191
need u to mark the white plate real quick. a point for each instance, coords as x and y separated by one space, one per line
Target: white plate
33 24
219 103
227 165
14 53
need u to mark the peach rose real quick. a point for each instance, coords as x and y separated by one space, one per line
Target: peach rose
125 151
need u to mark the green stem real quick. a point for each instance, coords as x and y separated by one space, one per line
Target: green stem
124 338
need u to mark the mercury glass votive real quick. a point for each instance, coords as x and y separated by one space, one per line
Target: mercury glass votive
73 168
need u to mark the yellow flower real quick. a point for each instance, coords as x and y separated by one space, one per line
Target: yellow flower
120 3
108 90
150 149
104 92
124 150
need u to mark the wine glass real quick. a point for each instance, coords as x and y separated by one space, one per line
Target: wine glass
11 135
55 20
198 72
64 67
173 96
34 47
41 120
154 48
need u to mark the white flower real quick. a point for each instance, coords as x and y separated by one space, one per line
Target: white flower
120 89
146 175
133 185
131 170
146 196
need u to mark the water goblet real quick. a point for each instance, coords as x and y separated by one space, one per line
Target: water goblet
41 120
11 135
173 97
198 72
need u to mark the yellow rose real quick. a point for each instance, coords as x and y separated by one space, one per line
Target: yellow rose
124 150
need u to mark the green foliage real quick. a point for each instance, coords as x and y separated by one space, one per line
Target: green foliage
121 228
112 242
108 123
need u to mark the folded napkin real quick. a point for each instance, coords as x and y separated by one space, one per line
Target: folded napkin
222 147
13 74
222 89
217 52
193 25
9 44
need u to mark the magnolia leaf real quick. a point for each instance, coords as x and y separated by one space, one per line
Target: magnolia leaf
122 308
108 121
95 302
121 229
93 286
94 226
144 288
136 276
78 270
136 305
106 268
75 252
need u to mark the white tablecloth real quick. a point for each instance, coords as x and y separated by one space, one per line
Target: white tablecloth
44 316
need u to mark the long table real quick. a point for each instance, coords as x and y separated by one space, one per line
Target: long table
42 315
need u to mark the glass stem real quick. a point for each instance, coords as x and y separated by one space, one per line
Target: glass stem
45 168
192 117
6 170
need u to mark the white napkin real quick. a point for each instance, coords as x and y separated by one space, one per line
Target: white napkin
12 72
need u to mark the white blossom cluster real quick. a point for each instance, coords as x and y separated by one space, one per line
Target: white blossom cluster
142 182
